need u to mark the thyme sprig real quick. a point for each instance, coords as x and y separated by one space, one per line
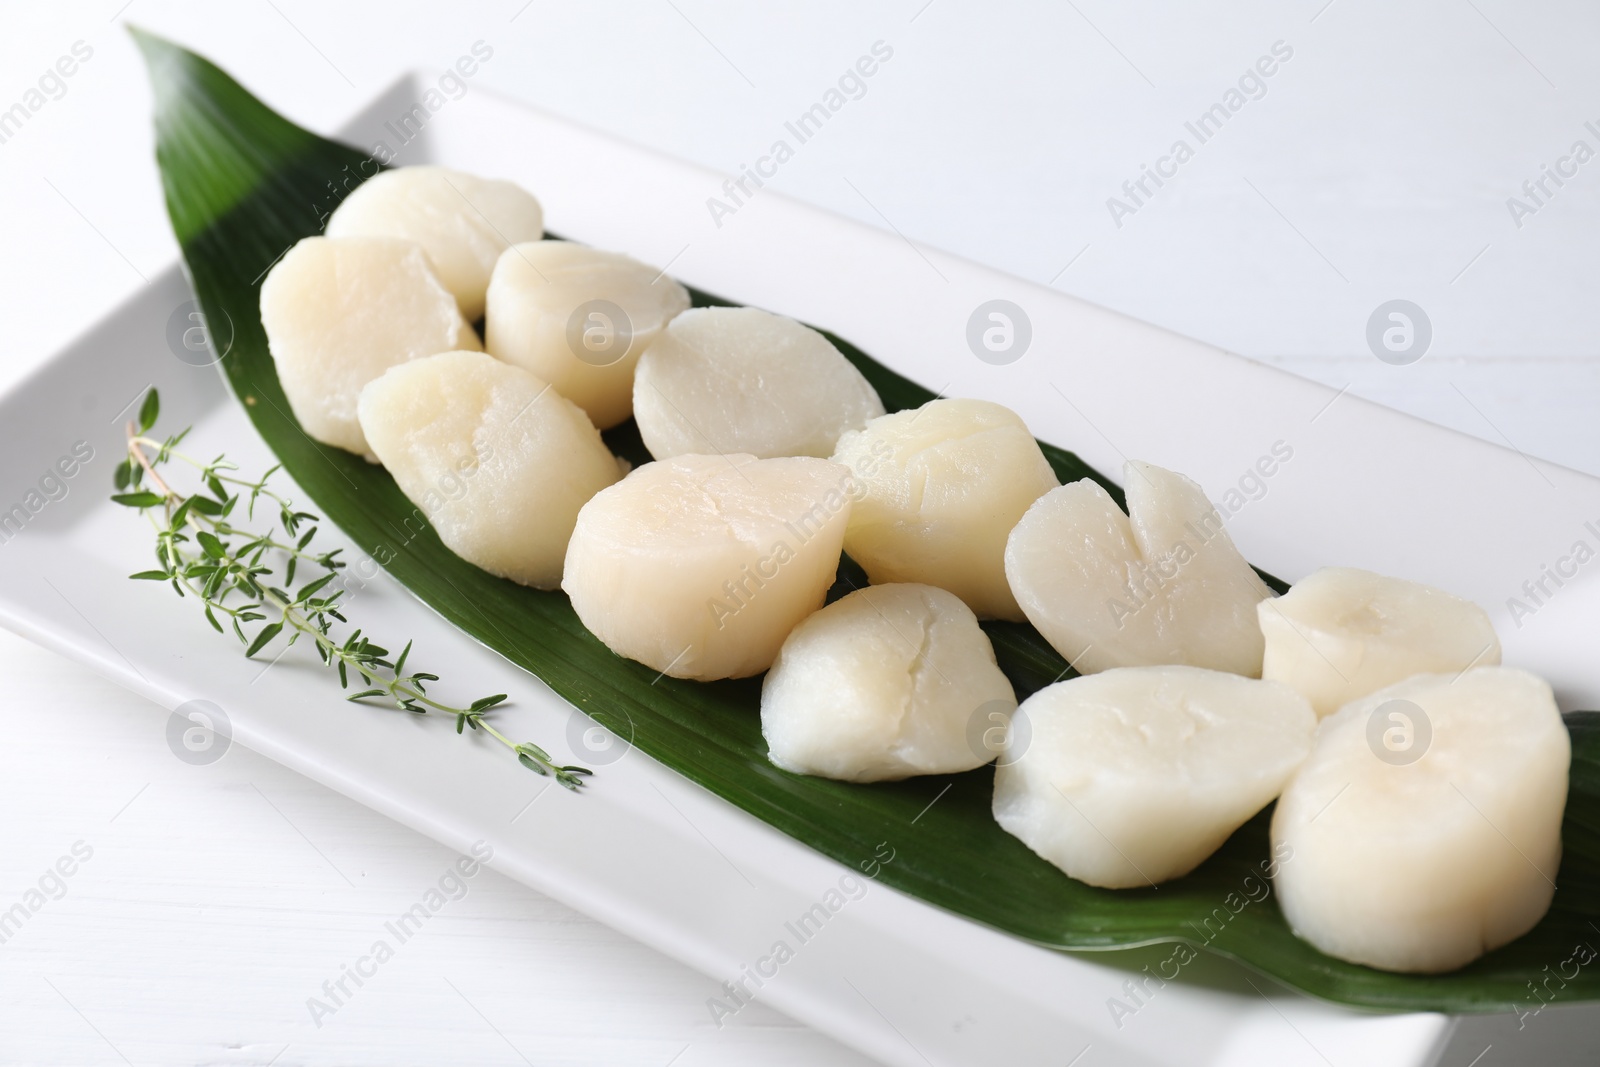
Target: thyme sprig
234 573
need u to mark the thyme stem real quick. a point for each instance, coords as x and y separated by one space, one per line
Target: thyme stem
200 556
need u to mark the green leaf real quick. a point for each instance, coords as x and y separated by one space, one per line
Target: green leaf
208 541
243 184
149 411
264 635
310 588
123 475
144 499
150 576
213 583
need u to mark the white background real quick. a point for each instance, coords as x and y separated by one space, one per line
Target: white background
1376 166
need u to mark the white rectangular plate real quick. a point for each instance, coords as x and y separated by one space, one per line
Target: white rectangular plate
670 864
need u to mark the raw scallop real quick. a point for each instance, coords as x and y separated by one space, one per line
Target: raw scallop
1341 633
497 460
1166 586
1133 776
944 485
463 222
338 313
699 566
554 309
1425 828
724 380
886 682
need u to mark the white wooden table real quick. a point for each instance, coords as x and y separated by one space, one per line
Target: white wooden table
1375 163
